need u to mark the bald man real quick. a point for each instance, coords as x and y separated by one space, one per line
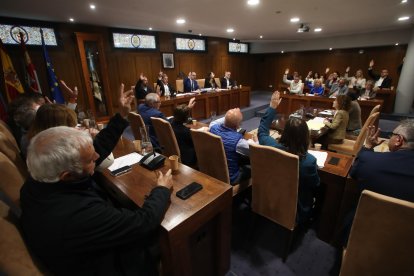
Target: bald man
234 143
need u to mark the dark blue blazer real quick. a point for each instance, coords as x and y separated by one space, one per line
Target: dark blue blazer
187 85
147 112
387 173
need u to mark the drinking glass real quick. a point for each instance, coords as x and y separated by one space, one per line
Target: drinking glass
146 146
212 116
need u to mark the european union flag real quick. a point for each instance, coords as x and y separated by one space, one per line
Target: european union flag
53 81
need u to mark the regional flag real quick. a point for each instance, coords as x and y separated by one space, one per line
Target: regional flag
53 81
32 79
13 85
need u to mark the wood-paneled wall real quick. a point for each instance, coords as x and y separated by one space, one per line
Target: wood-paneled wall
272 66
258 70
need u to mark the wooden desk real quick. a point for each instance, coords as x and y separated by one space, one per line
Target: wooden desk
195 233
218 102
388 96
291 103
333 192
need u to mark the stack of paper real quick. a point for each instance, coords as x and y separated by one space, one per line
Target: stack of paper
320 157
316 123
126 160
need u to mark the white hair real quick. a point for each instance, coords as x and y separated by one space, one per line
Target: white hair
151 99
54 151
406 129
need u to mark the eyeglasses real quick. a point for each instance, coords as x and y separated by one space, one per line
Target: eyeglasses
397 134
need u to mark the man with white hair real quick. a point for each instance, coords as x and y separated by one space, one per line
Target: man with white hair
234 143
69 222
388 173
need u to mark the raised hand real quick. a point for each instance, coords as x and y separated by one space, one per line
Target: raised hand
371 63
347 69
191 103
73 94
164 180
327 70
125 100
275 100
310 73
287 71
372 138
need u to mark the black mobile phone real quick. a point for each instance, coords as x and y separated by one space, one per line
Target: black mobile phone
334 161
189 190
121 170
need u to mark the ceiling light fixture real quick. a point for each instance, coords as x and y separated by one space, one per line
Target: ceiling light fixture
71 19
330 49
230 30
180 21
150 28
403 1
261 37
253 2
92 6
403 18
396 44
317 30
294 19
199 34
303 28
282 51
234 38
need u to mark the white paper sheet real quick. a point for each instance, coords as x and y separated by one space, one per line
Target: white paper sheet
126 160
320 157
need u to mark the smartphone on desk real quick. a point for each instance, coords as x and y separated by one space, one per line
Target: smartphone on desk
121 171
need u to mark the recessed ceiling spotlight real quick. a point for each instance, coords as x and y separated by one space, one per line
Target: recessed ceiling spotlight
282 51
253 2
199 34
317 30
294 19
230 30
71 19
403 1
180 21
330 49
396 44
361 51
261 37
403 18
234 38
92 6
150 28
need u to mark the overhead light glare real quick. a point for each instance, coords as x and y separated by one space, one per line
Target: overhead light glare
294 19
403 1
330 49
92 6
71 19
253 2
180 21
261 37
317 30
396 44
230 30
403 18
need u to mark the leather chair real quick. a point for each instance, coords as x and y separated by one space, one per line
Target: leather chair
4 128
11 179
179 85
166 137
15 258
381 240
275 182
211 158
135 121
201 83
352 147
9 149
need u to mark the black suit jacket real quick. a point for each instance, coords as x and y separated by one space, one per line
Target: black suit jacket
223 82
140 91
386 83
207 83
185 143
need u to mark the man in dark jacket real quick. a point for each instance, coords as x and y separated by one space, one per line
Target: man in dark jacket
67 219
381 80
142 88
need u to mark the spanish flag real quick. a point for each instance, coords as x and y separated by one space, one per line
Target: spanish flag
13 85
32 79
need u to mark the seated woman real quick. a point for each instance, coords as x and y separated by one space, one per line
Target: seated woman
210 82
316 88
295 139
183 135
337 127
